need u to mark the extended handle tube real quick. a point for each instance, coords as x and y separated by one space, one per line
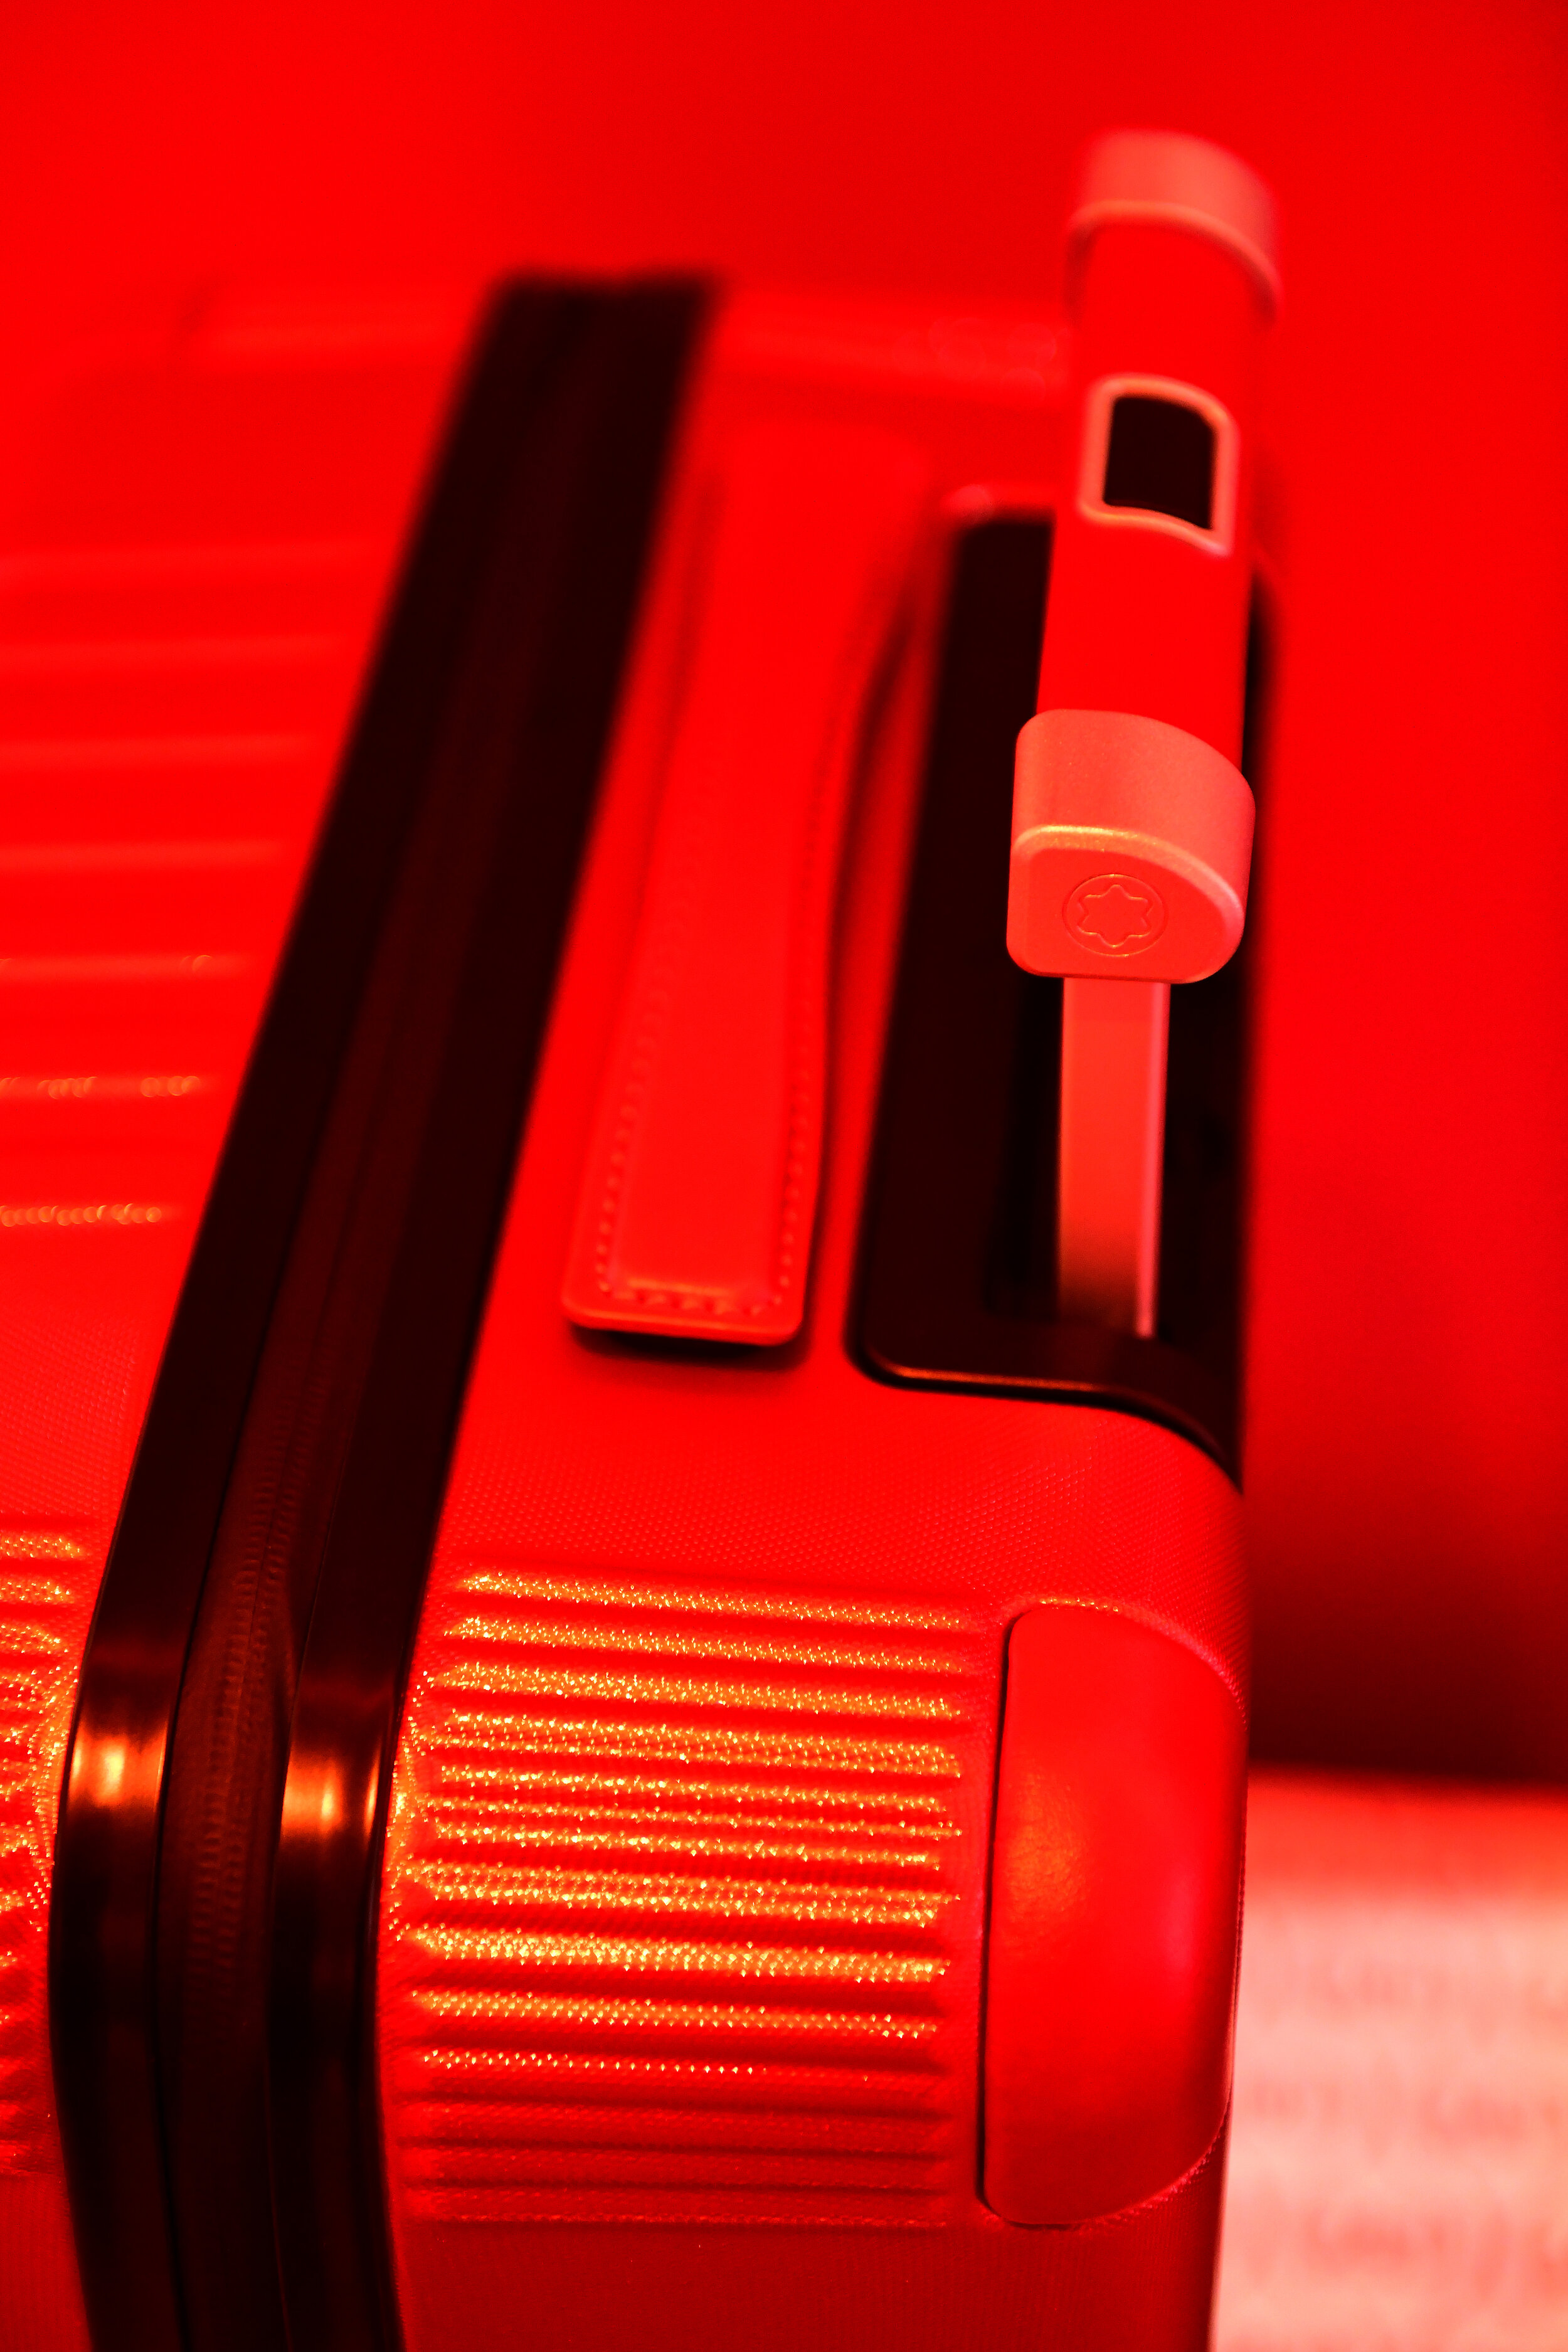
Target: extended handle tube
1132 824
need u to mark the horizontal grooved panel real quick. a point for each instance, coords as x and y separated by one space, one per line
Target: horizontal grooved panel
654 1945
43 1576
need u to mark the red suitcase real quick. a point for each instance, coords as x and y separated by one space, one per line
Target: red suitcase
723 1904
200 537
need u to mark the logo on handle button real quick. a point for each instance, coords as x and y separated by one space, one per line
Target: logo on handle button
1115 914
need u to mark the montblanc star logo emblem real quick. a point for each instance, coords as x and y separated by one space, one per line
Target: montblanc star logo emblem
1115 914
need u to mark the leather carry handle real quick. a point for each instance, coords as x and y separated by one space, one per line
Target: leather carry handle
698 1192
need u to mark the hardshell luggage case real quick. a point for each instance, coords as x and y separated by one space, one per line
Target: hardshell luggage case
748 1844
809 1905
273 639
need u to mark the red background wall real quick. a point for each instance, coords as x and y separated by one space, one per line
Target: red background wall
1407 1469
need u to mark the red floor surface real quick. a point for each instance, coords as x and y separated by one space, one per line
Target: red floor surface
1399 2149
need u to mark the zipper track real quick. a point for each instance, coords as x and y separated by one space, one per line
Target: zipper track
211 1958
